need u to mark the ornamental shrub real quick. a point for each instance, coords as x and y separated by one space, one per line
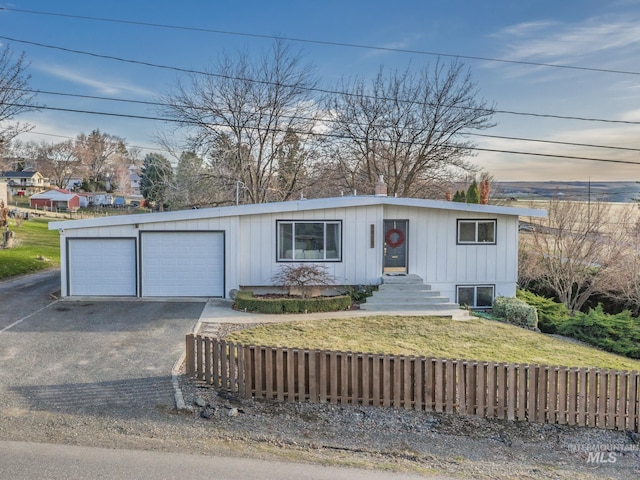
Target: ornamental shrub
551 314
618 333
516 312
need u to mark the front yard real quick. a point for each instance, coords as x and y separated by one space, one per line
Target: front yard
477 339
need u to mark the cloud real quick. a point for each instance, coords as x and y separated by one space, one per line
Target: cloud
103 86
567 43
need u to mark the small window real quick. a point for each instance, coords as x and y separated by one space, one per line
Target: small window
476 231
475 296
309 241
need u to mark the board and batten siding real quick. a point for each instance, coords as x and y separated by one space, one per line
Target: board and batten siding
360 263
435 255
227 224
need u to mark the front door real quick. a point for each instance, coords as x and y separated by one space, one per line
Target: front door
395 246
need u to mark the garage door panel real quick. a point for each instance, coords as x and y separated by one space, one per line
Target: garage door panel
182 264
102 267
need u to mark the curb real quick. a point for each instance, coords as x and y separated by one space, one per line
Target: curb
177 391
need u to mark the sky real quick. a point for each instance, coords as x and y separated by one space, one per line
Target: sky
506 45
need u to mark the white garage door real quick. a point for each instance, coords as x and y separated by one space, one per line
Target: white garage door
182 264
102 266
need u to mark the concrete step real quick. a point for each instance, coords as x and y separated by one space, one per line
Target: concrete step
401 278
410 307
408 299
406 294
404 286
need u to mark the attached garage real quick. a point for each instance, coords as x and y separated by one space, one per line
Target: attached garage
182 264
101 266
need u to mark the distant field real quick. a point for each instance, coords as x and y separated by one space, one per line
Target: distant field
597 191
37 248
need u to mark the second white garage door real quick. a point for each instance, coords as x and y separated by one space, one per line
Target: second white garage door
182 264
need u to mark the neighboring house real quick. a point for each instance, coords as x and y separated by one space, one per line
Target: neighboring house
100 199
25 183
56 199
134 181
459 249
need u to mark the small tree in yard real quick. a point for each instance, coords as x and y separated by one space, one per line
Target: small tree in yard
302 277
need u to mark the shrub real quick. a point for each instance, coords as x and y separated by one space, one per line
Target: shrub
246 301
618 333
515 311
360 293
551 314
302 276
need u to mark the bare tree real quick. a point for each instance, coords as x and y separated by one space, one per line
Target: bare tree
59 162
408 127
241 113
576 253
624 277
98 152
15 96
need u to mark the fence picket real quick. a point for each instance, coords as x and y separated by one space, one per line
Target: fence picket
537 393
482 389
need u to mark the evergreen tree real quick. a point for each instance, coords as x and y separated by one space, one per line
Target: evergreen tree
473 194
459 196
157 179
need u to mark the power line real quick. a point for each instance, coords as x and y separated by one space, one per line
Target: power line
323 42
35 132
161 104
313 89
329 135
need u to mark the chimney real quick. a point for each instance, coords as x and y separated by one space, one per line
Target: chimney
381 187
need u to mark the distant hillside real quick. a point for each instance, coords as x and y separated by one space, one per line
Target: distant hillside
602 191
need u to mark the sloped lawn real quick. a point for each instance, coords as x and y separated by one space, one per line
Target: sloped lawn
38 248
476 339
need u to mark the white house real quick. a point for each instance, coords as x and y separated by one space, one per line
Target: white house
458 249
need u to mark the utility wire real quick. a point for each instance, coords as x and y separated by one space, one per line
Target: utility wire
329 135
325 120
313 89
322 42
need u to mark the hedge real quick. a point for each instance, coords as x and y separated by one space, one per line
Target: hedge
246 301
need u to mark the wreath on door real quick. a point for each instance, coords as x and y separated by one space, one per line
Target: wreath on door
394 238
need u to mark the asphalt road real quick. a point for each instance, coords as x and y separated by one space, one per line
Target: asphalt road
24 295
25 461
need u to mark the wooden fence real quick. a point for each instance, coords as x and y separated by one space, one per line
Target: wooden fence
535 393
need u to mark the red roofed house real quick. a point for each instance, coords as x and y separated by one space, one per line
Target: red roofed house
58 199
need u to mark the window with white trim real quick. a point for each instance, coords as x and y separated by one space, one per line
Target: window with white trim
472 232
475 296
309 241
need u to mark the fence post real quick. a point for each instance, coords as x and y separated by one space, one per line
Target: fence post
189 340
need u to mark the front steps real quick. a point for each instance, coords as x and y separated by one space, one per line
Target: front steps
408 293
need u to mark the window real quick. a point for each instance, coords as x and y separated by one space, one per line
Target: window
476 231
475 296
309 241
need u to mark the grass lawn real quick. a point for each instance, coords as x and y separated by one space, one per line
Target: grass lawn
476 339
37 248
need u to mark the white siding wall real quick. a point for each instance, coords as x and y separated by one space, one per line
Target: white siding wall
435 255
227 224
360 264
250 246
